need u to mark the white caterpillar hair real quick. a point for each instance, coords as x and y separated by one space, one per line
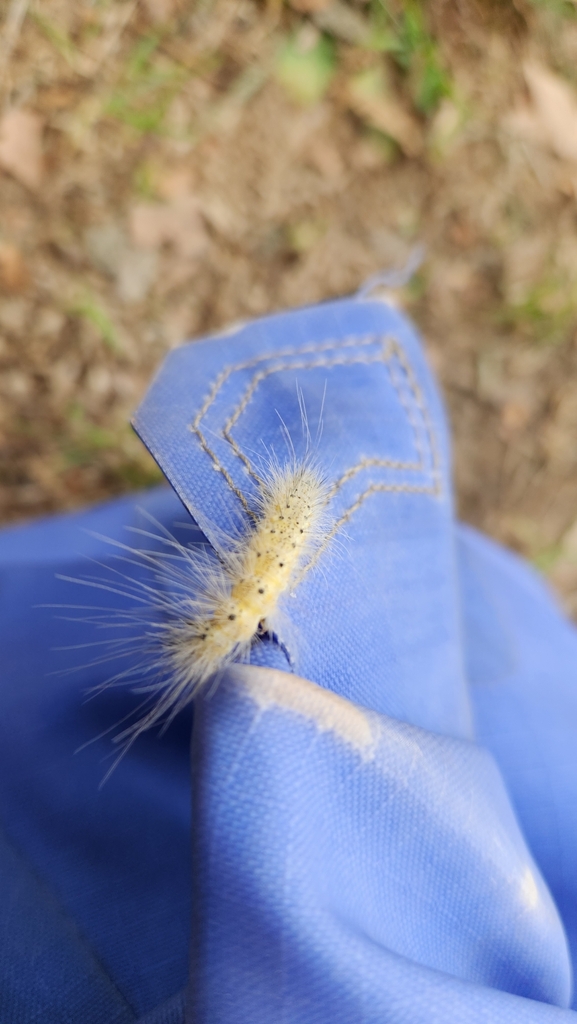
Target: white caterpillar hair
236 597
201 609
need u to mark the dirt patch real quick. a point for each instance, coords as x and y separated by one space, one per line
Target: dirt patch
168 167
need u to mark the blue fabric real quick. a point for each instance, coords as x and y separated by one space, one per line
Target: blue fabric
116 860
385 820
360 364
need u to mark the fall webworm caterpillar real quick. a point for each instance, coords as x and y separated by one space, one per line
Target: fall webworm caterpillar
200 609
237 596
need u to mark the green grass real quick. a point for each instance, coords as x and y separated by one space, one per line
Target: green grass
306 71
304 234
148 85
87 308
406 37
85 440
57 36
117 453
546 559
560 8
144 181
546 315
138 474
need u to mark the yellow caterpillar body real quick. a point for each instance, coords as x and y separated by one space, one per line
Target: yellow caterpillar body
240 596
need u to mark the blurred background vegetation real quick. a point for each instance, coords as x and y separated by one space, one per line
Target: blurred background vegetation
168 166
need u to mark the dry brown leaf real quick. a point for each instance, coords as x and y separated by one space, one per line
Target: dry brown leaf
386 113
515 415
106 245
21 146
343 21
524 263
136 274
309 6
550 121
326 159
556 108
13 272
175 184
13 315
523 123
160 11
178 223
570 542
305 126
366 155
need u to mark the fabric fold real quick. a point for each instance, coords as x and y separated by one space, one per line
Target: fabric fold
336 848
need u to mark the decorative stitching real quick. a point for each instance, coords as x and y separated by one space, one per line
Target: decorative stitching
310 364
223 376
365 464
390 348
372 489
324 346
406 405
422 405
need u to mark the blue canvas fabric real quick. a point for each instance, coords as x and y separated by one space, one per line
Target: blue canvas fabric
384 802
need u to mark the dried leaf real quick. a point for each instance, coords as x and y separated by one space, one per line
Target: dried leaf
368 98
21 146
556 108
176 184
13 315
342 21
445 127
106 245
550 121
13 272
136 275
309 6
160 11
514 417
178 223
524 264
326 159
570 542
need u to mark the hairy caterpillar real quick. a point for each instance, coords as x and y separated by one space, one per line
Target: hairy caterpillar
241 594
202 610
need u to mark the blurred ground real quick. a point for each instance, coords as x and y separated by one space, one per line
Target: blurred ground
168 166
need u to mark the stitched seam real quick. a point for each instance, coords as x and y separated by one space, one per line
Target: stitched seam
223 376
365 464
262 375
372 489
309 364
326 361
422 405
324 346
217 464
409 411
389 349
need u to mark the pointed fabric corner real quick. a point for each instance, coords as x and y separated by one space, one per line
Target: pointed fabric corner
220 407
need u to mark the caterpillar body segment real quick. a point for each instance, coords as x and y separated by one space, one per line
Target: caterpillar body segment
239 596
